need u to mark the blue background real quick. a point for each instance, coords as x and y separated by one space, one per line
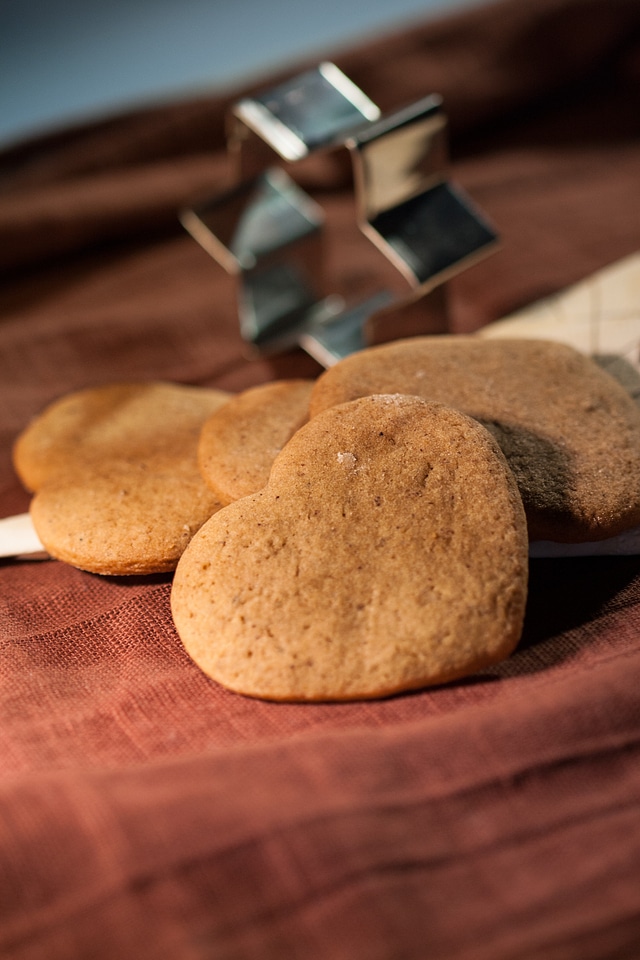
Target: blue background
64 61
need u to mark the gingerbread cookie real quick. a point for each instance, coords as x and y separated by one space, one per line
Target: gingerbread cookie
569 431
118 421
388 551
240 441
115 469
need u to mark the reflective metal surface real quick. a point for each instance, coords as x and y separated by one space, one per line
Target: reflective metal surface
255 219
422 222
399 156
269 233
327 339
315 110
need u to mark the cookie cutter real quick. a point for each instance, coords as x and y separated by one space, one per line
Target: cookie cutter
268 233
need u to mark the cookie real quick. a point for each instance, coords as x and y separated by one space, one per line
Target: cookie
387 552
134 518
569 431
240 441
118 489
118 421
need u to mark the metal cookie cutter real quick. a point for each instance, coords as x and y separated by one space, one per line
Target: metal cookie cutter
268 232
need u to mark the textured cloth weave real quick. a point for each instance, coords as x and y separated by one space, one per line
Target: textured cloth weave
146 812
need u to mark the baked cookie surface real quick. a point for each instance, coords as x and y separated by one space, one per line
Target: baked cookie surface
118 421
123 520
388 551
118 489
569 431
240 441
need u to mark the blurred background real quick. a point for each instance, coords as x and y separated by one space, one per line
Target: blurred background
64 61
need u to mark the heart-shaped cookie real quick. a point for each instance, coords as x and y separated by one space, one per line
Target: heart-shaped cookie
569 431
388 551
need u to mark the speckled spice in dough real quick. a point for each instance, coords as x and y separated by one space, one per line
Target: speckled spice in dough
388 551
569 431
123 520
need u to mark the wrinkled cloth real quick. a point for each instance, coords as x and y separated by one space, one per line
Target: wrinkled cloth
147 812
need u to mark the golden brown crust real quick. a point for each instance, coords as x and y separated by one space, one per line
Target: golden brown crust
121 421
388 551
116 475
570 432
240 441
126 519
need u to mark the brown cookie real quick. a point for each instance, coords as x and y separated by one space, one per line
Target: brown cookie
118 421
240 441
134 518
569 431
388 551
115 469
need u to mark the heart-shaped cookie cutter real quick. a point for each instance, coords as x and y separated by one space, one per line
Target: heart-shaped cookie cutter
267 232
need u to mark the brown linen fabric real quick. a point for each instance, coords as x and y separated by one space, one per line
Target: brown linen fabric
146 812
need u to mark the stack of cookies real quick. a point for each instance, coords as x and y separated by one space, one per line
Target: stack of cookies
361 535
115 475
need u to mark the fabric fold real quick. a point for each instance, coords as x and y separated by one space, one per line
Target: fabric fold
147 812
